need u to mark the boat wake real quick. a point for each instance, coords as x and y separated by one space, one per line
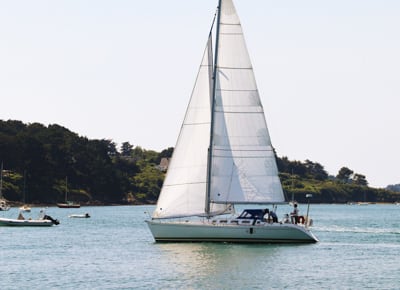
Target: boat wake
366 230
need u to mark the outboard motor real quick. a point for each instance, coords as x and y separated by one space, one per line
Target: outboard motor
54 221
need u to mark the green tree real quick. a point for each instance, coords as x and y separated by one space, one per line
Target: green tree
344 174
126 149
360 179
148 183
316 170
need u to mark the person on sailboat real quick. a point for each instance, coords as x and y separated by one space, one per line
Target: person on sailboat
295 214
274 216
265 215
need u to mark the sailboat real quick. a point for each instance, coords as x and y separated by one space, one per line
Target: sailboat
3 203
25 207
223 157
365 202
68 204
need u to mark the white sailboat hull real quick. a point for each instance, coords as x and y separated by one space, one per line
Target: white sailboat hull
208 231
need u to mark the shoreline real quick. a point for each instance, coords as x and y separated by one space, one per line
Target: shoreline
19 204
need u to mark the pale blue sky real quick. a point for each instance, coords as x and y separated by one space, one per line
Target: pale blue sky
328 72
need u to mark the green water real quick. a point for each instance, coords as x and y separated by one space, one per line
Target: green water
358 249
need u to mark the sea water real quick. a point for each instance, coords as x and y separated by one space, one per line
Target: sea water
359 249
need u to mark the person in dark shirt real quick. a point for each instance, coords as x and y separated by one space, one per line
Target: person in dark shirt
274 216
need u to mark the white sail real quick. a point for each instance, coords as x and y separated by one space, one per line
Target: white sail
243 163
243 167
184 188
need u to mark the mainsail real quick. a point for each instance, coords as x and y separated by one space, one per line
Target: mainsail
243 167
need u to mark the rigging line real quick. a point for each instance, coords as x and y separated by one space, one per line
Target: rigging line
231 24
230 112
242 157
230 181
184 183
234 68
243 150
231 33
252 202
194 124
235 108
232 90
239 105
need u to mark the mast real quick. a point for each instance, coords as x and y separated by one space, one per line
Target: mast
66 189
214 82
1 180
23 193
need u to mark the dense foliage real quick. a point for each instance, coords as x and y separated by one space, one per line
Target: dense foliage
39 159
301 178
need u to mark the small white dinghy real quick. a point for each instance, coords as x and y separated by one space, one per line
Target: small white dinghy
42 221
86 215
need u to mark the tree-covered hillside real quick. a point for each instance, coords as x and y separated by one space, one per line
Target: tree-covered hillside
300 178
97 171
37 159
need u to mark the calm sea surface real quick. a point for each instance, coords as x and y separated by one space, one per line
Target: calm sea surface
359 248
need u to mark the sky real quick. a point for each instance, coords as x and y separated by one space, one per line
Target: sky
328 72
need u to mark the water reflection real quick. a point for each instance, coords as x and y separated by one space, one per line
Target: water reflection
218 263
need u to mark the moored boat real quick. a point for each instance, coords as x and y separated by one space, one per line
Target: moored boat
25 208
86 215
67 203
28 222
42 221
4 206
